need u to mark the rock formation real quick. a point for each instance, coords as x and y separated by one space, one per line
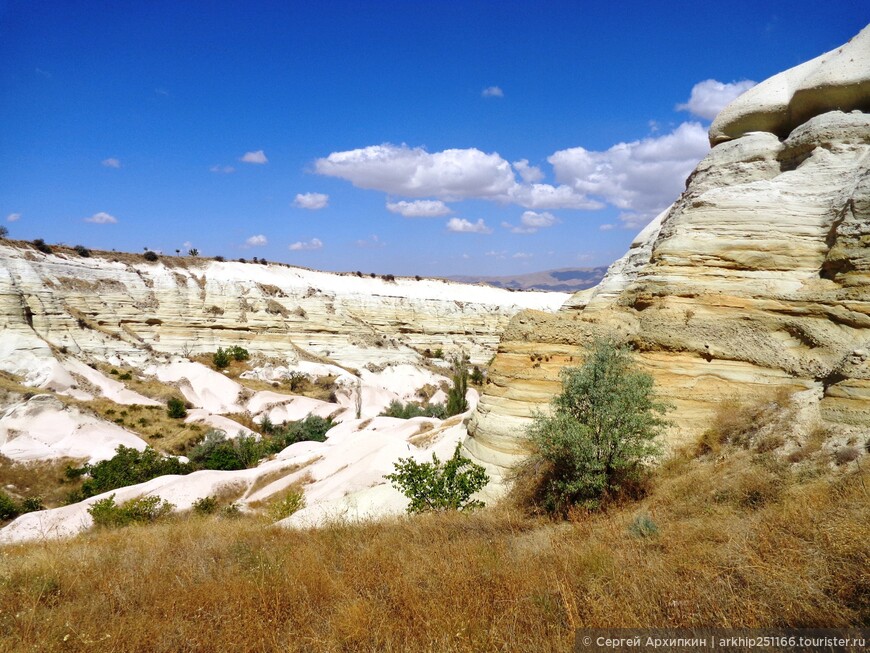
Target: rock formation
757 277
120 308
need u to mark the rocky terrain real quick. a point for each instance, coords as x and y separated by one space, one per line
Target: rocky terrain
561 280
756 278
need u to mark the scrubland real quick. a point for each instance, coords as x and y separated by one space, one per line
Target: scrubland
735 537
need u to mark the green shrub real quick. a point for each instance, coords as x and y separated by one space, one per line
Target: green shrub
193 251
3 232
292 502
643 526
175 408
41 245
127 467
217 451
9 508
310 429
32 504
238 353
141 510
439 486
150 256
82 251
604 426
456 402
297 381
439 353
476 376
221 359
413 409
205 506
126 376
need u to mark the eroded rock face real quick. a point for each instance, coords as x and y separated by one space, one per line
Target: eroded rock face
121 311
756 278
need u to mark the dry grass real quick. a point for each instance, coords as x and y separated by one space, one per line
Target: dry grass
39 479
739 542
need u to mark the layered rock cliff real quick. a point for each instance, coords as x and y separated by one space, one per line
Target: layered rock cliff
757 277
120 308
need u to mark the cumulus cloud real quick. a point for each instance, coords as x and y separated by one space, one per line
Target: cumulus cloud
529 173
606 227
102 218
492 91
709 97
641 177
530 222
311 201
314 243
111 162
463 226
449 175
258 157
257 241
13 217
419 208
222 170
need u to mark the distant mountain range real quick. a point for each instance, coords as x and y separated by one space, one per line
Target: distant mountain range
561 280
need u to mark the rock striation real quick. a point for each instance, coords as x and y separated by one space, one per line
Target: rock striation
119 308
757 277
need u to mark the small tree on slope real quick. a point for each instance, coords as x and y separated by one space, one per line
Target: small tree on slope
604 426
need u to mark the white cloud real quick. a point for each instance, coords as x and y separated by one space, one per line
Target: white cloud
529 173
641 178
161 91
493 253
312 201
258 157
13 217
492 91
709 97
449 175
257 241
314 243
522 255
419 208
111 162
461 225
223 170
370 243
530 222
606 227
187 244
102 218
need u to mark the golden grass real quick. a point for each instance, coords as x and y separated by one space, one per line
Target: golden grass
796 556
44 479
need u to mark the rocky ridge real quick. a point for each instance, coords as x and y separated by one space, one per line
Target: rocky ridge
755 278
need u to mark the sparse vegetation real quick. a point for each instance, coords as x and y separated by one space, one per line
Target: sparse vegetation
293 501
3 232
439 485
193 251
42 246
604 427
238 353
413 409
82 251
147 509
175 408
150 256
456 401
221 359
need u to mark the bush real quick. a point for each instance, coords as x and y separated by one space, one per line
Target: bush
82 251
136 511
221 359
126 376
127 467
293 501
9 508
175 408
412 409
41 245
310 429
476 376
238 353
193 251
205 506
3 231
605 425
150 256
456 402
439 486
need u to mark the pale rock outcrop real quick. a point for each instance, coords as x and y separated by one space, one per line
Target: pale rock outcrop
756 278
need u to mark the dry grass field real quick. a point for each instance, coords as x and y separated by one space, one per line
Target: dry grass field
743 539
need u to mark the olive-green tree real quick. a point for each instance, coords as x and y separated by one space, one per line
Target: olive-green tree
604 427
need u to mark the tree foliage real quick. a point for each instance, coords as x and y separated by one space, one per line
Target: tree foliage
439 485
456 402
605 424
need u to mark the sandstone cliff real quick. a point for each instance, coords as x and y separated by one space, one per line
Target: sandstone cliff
756 278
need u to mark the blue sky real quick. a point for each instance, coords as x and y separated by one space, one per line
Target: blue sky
430 138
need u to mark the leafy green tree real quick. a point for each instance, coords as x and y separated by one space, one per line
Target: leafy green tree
128 466
3 232
175 408
221 359
605 425
106 513
439 485
456 402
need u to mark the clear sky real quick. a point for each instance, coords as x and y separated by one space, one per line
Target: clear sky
429 138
